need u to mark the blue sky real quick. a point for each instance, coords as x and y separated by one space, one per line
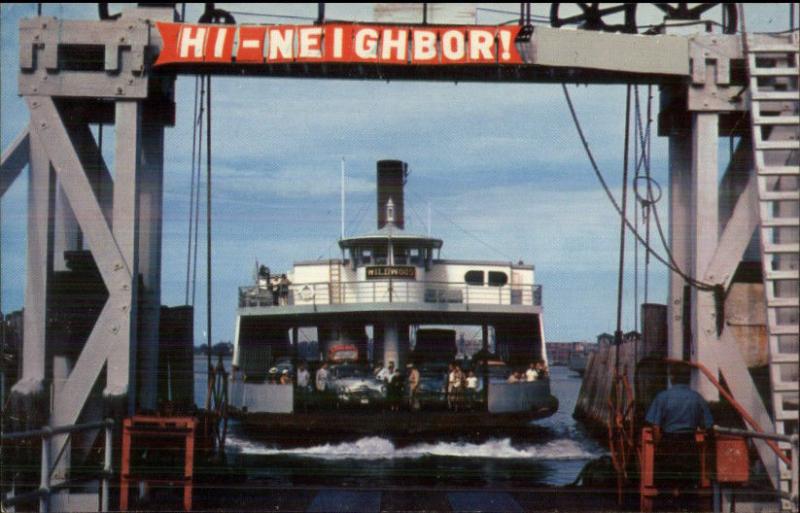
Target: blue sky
503 160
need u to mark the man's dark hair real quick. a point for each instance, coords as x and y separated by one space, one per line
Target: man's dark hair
680 374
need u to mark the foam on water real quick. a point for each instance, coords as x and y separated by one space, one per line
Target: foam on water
376 448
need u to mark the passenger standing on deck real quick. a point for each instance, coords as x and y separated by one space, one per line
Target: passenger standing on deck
321 380
303 384
393 387
413 385
541 370
382 373
455 389
676 414
531 374
472 389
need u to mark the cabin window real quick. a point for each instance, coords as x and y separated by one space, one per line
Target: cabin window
381 256
474 277
497 278
414 256
366 256
400 255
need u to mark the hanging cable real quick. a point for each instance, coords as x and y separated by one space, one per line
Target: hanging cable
671 263
191 189
623 218
650 202
637 162
467 232
208 224
198 171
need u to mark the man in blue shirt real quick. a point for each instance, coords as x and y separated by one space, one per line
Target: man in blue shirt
676 415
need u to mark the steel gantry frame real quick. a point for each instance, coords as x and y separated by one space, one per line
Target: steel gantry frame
73 199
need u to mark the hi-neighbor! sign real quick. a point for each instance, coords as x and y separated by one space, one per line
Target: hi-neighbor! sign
333 43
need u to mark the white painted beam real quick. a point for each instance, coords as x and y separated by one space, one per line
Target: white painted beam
705 236
736 236
14 160
737 378
121 372
150 233
54 138
680 152
40 204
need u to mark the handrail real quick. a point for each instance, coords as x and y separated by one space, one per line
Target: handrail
58 430
399 291
794 440
738 407
45 487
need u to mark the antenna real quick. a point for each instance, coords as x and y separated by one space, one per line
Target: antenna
343 198
429 219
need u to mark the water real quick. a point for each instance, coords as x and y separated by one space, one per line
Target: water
553 454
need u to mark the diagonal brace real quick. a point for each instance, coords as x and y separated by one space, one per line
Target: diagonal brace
49 127
106 336
14 160
737 377
736 236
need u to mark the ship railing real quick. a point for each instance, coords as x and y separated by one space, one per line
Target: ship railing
46 487
793 494
393 291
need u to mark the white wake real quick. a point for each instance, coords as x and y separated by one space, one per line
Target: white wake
376 448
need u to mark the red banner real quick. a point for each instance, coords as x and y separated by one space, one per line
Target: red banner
396 45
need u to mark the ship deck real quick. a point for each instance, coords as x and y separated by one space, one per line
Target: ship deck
315 427
455 313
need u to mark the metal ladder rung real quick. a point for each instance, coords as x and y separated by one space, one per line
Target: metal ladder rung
782 275
782 302
787 415
785 358
778 195
778 170
777 222
784 329
774 48
757 95
776 120
784 387
775 72
777 145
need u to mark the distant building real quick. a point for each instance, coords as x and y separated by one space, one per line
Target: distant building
608 339
558 352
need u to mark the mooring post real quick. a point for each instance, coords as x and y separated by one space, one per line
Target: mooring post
109 447
44 483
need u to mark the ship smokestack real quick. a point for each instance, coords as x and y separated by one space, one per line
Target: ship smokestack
391 180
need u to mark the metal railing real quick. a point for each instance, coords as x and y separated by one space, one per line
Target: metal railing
792 440
46 489
392 291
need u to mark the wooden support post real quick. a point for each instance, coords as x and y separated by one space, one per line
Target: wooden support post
679 164
705 236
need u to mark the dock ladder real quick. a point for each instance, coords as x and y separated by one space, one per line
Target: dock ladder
772 62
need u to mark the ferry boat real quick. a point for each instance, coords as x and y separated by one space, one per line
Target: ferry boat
390 301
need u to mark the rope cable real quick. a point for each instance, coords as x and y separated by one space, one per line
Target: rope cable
671 263
191 191
648 151
623 218
636 206
208 224
465 231
199 172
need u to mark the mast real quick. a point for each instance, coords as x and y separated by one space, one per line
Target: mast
343 205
